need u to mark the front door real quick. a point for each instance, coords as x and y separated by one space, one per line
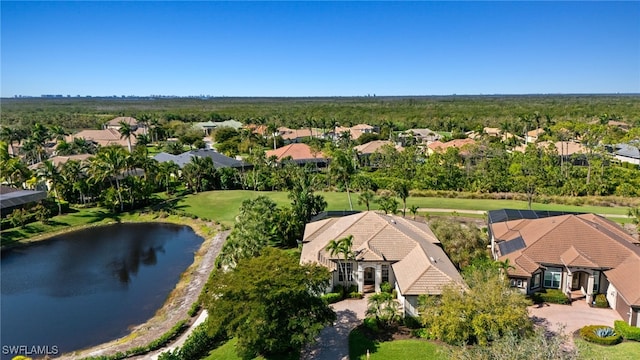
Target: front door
575 281
369 276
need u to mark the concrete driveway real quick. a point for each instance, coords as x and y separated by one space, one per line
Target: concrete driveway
572 317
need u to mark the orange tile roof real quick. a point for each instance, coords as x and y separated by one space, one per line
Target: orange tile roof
457 143
625 278
295 151
585 240
375 146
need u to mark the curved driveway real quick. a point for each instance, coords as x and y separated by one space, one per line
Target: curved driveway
333 341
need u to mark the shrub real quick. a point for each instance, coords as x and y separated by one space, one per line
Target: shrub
355 295
331 298
197 344
601 301
412 322
386 287
195 308
600 334
553 296
627 331
371 323
339 289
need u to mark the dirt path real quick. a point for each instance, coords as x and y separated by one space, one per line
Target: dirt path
175 309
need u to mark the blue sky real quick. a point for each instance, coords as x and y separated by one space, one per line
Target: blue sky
318 48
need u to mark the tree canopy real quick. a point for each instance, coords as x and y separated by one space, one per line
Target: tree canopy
270 303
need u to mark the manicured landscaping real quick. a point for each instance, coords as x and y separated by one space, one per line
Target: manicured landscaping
222 205
226 351
388 350
623 351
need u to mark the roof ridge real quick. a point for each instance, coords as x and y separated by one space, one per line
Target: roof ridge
551 228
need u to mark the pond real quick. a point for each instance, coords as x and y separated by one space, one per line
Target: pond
90 286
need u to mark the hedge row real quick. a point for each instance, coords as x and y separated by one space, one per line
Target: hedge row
553 296
627 331
588 333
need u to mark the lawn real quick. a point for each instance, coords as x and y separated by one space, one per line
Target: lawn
397 349
626 350
223 206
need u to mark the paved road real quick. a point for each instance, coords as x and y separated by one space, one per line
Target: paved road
333 341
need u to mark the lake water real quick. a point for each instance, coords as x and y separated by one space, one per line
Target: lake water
90 286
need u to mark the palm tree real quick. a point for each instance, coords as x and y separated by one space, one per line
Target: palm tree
126 132
342 247
343 166
272 129
414 210
49 172
166 170
74 173
401 188
366 197
109 164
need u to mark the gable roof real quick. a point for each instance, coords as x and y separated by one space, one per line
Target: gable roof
297 152
219 160
457 143
419 264
625 278
105 137
585 240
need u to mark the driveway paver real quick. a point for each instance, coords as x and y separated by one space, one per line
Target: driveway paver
572 317
333 341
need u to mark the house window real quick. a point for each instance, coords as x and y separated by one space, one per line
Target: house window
596 282
552 279
349 271
535 281
385 273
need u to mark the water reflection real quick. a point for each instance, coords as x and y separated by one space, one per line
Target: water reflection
89 286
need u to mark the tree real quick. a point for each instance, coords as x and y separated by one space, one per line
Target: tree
486 311
269 303
49 172
256 227
387 203
464 244
109 164
634 214
126 131
305 204
342 247
366 197
401 188
414 210
343 167
384 308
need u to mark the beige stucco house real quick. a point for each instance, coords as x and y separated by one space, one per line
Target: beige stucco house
386 248
580 254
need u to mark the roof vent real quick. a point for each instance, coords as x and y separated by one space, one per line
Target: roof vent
432 259
393 221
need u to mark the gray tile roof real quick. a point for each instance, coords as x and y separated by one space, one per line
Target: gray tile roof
628 150
219 160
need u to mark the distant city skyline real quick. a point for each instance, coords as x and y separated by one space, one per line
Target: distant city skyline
305 49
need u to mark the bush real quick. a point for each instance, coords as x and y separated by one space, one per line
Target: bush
412 322
627 331
331 298
553 296
371 323
195 308
197 344
355 295
601 301
338 289
386 287
600 334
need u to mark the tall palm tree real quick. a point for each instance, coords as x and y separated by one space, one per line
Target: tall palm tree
272 129
49 172
109 164
366 197
126 131
401 188
343 166
74 173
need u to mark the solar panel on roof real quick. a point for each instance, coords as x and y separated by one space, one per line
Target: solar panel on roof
496 216
507 247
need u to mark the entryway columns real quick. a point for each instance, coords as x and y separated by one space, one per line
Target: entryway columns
378 277
589 289
360 278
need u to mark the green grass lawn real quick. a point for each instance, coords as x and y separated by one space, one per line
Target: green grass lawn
227 351
389 350
623 351
223 206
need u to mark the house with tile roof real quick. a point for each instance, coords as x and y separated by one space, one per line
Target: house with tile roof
219 160
628 152
438 146
386 248
580 254
105 137
298 153
114 124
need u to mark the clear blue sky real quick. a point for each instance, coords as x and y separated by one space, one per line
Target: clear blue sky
319 48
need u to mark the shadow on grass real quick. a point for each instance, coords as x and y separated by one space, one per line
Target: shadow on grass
100 215
359 343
